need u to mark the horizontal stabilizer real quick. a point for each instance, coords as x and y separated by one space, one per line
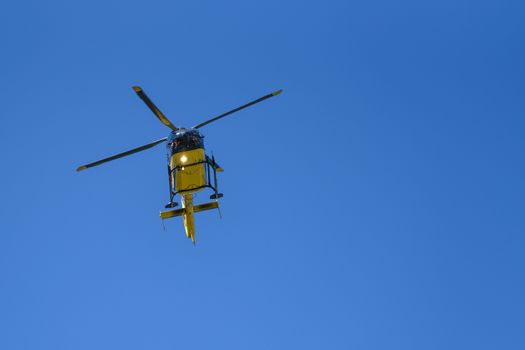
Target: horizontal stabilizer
182 211
206 206
172 213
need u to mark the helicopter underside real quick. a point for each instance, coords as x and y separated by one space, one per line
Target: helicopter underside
190 172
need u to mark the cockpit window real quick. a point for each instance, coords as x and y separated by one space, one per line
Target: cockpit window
186 141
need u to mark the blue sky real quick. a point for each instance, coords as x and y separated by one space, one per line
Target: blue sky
376 204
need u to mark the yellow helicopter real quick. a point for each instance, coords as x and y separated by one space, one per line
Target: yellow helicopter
190 170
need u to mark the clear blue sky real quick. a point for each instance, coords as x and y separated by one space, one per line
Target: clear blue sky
378 203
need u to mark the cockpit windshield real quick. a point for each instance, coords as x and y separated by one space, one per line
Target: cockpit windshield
185 140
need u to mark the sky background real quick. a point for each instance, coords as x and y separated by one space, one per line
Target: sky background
378 203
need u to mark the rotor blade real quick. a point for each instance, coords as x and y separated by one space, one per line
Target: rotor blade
153 108
120 155
238 109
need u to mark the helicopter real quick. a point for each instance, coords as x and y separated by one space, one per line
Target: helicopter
190 169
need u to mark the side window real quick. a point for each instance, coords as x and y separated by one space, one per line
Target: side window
195 141
175 145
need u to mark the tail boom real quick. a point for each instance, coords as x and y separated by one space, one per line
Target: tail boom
187 211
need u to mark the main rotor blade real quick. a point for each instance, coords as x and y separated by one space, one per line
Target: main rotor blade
238 109
120 155
153 108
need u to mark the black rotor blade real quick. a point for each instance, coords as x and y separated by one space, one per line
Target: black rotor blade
120 155
238 109
153 108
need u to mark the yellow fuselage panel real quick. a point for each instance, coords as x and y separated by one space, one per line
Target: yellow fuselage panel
188 175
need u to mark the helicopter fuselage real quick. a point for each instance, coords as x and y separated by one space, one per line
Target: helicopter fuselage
187 160
189 172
